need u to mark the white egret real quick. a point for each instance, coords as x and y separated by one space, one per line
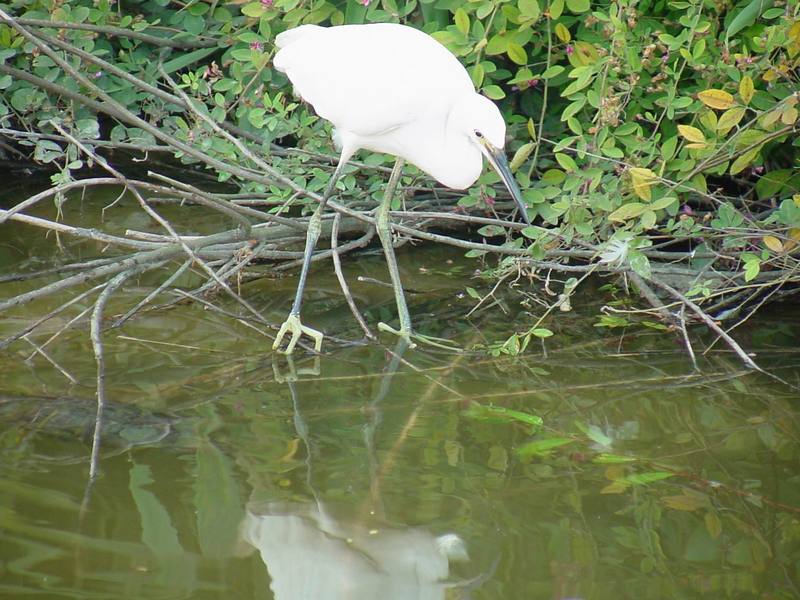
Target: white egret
393 89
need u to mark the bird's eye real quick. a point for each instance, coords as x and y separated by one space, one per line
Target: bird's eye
478 134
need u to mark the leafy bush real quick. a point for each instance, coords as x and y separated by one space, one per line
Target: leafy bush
632 124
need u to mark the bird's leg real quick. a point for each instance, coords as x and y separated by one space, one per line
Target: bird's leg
385 234
384 228
293 323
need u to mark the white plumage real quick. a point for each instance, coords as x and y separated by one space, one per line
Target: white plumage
391 88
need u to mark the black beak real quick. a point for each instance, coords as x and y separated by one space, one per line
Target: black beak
497 159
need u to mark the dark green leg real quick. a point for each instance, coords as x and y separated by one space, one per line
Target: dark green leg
293 323
384 228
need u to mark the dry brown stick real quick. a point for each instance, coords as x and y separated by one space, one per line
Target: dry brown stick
89 234
66 326
153 259
711 325
65 187
217 203
324 254
97 346
115 32
489 295
686 341
648 294
238 214
761 303
205 267
231 268
337 267
14 337
39 350
81 266
164 285
163 222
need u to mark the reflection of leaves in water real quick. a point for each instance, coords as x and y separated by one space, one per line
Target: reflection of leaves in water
498 414
542 447
159 535
543 515
218 503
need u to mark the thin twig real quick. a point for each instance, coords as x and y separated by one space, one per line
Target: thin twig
711 325
97 346
14 337
153 294
337 267
686 341
39 350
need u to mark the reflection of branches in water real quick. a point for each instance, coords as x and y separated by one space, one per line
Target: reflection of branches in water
260 236
241 252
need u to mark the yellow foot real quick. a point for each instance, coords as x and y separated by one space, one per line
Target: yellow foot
410 337
403 334
294 325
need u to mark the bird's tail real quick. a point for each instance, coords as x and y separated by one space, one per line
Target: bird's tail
292 35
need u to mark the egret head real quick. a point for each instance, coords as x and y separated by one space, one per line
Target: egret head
480 120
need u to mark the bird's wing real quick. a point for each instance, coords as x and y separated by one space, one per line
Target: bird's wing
368 79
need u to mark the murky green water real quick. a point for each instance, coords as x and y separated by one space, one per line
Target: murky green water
227 472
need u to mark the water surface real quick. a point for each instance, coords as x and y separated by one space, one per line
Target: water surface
229 472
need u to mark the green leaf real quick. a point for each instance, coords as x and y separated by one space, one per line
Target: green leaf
80 14
462 21
521 155
477 73
573 108
744 160
692 134
556 8
491 231
628 211
640 264
517 53
184 60
529 9
498 44
751 269
578 6
576 86
542 332
566 162
746 89
553 71
494 92
663 202
772 182
747 17
730 118
714 98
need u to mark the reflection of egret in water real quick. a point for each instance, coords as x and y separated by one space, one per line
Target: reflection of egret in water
313 554
310 554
